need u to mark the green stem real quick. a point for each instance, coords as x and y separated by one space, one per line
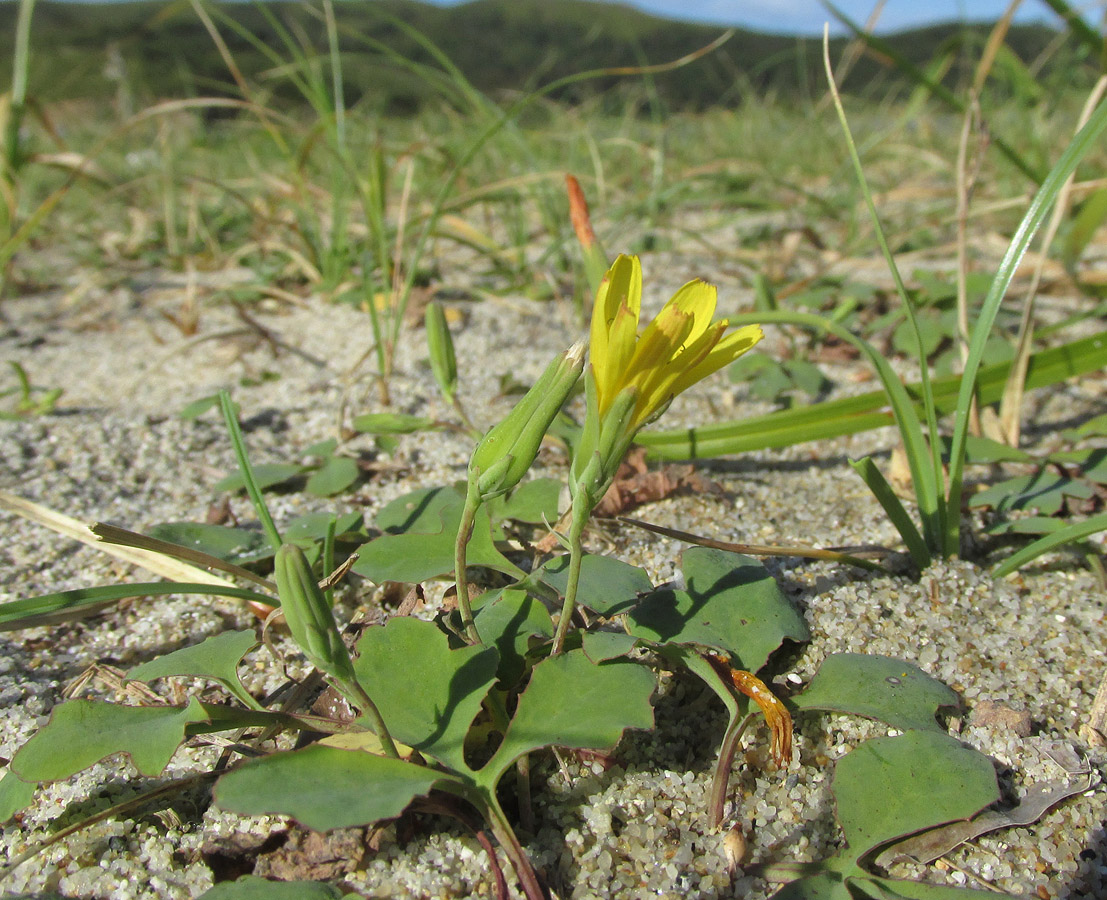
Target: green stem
464 533
356 694
582 509
505 836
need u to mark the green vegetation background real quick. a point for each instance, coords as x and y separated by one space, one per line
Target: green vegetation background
502 46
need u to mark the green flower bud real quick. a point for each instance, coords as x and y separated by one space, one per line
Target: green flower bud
308 614
440 345
505 453
603 446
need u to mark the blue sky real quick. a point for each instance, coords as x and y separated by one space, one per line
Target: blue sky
807 16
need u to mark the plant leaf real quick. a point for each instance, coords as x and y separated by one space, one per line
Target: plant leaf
508 623
333 477
267 475
534 502
891 787
253 887
324 787
878 687
1066 535
1045 491
390 423
15 795
425 548
572 702
233 545
600 646
83 732
427 694
608 586
731 603
313 527
216 657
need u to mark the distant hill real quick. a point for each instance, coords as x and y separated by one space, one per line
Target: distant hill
502 46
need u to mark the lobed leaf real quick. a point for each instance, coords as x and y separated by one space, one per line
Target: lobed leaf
878 687
572 702
731 603
427 693
324 787
80 733
216 657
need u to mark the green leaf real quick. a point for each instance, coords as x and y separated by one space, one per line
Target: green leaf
267 475
892 889
891 787
1045 491
850 415
1068 534
197 408
608 586
824 886
878 687
1092 214
731 603
333 477
313 527
253 887
420 511
427 694
600 646
893 507
391 423
509 623
83 732
321 448
216 658
571 702
15 795
424 548
325 787
1029 525
233 545
534 502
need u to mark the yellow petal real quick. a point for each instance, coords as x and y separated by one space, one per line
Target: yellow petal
698 298
728 349
615 325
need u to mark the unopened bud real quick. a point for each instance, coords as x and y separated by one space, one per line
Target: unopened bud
308 614
507 451
440 345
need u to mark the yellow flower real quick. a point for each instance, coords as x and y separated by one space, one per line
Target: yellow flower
678 348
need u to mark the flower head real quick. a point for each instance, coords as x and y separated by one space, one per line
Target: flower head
678 348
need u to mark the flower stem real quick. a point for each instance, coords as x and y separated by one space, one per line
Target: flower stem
461 582
505 836
582 509
357 695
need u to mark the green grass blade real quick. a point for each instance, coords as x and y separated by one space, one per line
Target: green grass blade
851 415
1029 226
247 470
903 407
1079 26
886 497
935 88
927 482
1066 535
64 605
